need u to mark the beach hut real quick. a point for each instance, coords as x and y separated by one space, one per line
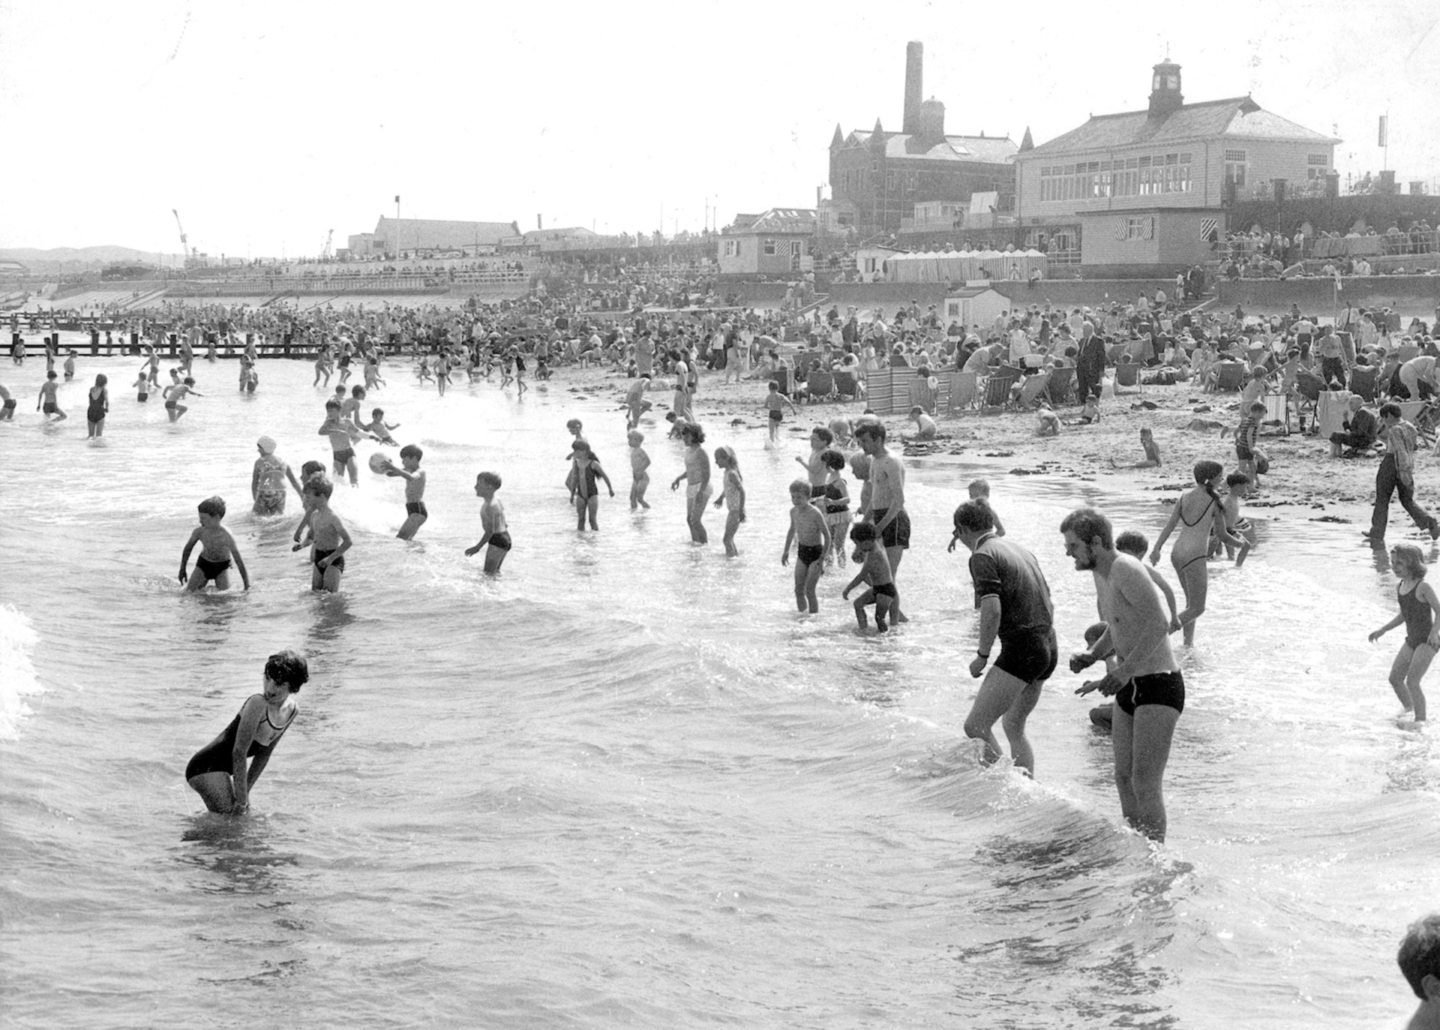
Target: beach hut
975 304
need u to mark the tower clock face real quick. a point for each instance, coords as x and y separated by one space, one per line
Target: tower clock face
1172 82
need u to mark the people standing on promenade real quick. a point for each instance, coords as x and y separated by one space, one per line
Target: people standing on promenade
225 770
1015 608
1198 513
97 408
886 500
697 479
1145 681
1397 473
1419 607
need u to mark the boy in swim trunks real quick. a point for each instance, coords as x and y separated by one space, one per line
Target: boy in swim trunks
775 402
379 429
46 401
874 571
217 550
414 476
330 538
177 393
7 410
1237 488
495 531
340 441
812 539
815 468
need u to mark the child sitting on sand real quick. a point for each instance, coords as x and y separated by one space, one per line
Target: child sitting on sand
1151 449
925 427
1047 423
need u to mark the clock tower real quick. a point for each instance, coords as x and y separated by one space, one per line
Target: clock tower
1165 95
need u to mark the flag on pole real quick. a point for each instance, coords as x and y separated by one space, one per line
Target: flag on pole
397 198
1384 141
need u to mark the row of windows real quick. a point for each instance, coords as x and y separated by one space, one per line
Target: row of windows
1132 177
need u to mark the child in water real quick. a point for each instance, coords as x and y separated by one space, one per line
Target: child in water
414 476
495 531
732 494
812 539
775 402
330 539
1419 606
639 470
217 550
588 473
875 572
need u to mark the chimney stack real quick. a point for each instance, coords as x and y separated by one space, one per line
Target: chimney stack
914 84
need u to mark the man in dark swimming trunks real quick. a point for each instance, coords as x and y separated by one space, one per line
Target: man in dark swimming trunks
1014 603
1145 681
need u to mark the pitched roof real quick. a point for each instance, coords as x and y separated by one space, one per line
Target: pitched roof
567 233
1238 117
431 233
996 150
776 220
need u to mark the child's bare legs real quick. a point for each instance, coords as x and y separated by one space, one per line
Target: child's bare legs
350 468
883 604
637 491
494 558
861 602
695 515
331 579
732 523
412 524
197 582
807 575
774 432
895 554
1406 673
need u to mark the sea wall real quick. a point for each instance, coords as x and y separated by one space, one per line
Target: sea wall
1409 294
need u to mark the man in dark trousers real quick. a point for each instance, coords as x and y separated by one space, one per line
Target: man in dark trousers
1397 473
1089 363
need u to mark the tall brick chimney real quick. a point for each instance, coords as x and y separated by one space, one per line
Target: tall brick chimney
914 83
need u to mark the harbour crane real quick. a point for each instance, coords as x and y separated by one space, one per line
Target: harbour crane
327 253
184 240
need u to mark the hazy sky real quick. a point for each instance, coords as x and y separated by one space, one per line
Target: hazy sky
267 123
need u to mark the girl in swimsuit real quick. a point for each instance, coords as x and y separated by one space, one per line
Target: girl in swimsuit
219 772
98 408
588 474
1198 513
732 494
1419 607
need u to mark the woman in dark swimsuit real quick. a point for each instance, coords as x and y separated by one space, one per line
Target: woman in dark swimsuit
218 772
1419 607
1198 513
98 408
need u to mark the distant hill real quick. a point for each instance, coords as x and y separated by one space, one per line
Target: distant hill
86 256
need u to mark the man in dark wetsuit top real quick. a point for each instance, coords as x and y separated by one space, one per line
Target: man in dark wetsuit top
1146 682
1014 603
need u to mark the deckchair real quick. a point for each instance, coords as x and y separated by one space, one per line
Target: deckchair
1032 389
1128 374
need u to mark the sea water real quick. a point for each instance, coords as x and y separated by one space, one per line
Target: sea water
624 783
